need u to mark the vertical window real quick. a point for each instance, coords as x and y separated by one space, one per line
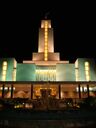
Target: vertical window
76 71
4 70
46 74
46 41
14 75
87 74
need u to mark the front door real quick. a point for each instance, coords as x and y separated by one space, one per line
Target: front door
45 93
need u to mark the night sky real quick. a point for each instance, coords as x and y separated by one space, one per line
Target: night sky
73 23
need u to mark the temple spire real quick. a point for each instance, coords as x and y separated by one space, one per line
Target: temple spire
46 42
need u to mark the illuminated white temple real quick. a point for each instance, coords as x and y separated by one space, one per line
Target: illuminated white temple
64 77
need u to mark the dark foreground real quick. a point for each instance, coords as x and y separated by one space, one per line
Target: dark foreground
48 119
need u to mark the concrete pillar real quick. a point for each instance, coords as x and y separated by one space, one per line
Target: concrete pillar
59 91
88 90
3 91
79 91
12 91
31 91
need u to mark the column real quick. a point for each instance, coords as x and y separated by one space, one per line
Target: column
3 91
59 91
83 93
79 91
12 91
31 91
88 90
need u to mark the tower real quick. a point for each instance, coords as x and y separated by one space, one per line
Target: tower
46 43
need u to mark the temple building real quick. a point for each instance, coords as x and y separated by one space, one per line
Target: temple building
46 73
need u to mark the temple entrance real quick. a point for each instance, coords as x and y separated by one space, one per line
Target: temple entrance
45 93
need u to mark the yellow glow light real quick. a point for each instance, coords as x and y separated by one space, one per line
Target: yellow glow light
5 63
4 72
86 68
86 63
4 67
3 77
87 71
46 41
15 64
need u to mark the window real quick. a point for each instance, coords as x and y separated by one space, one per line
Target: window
45 74
87 74
76 71
4 70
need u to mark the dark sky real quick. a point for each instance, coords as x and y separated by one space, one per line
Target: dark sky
73 23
